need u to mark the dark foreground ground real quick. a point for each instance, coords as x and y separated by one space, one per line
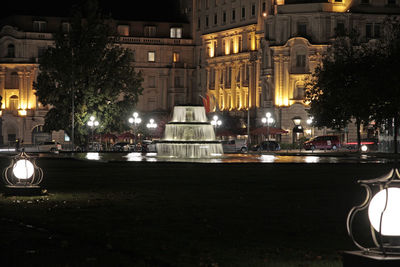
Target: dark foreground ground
166 214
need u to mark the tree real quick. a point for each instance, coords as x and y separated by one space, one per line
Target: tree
339 90
89 68
386 79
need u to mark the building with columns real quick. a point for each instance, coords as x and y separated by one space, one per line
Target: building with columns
246 55
163 53
297 34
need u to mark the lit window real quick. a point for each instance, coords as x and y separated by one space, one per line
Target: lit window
150 31
151 56
175 57
39 26
123 30
176 32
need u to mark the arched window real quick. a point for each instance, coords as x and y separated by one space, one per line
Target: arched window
10 50
13 102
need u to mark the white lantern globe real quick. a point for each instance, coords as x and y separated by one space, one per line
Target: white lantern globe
391 215
23 169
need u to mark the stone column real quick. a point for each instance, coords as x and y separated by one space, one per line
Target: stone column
21 89
257 81
286 84
251 87
2 86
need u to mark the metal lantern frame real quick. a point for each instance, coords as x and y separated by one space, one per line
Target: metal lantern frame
384 182
12 181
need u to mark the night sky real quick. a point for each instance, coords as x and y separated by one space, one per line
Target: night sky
162 10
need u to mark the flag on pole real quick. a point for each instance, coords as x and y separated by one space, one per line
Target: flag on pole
206 103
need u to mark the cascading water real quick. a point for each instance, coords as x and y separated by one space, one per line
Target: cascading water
189 135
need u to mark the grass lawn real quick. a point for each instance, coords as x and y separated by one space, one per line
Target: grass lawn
169 214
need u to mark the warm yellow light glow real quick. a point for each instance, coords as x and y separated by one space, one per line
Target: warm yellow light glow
227 47
308 131
236 45
211 50
22 112
176 57
23 169
253 42
391 215
280 2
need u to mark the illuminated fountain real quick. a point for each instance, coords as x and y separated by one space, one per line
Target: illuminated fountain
189 135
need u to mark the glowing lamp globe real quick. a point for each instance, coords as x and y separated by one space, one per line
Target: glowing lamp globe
364 148
391 215
23 169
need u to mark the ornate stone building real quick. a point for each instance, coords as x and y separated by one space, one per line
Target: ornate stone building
244 54
297 35
163 54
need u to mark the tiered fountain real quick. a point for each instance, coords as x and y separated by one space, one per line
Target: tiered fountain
189 135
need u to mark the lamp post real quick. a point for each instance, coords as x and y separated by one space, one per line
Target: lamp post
92 123
309 123
267 120
151 125
384 219
135 121
216 122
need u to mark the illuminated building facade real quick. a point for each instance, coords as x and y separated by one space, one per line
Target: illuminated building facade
228 35
163 53
297 35
244 54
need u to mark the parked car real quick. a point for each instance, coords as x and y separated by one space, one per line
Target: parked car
50 146
121 146
370 143
267 146
322 142
235 145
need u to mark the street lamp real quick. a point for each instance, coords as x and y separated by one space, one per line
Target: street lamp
267 120
23 175
298 129
383 215
151 124
216 122
92 123
135 121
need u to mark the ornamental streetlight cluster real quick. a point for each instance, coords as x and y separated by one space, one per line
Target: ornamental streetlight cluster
151 124
135 120
216 122
269 121
92 123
